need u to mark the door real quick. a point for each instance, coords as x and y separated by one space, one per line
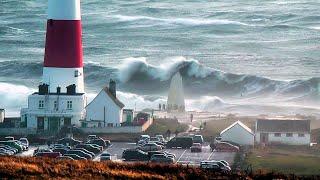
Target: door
67 121
40 123
264 137
54 124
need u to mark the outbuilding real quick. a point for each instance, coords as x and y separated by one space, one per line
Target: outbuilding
238 133
105 110
290 132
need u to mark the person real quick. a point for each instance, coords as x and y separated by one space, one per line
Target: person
212 146
177 132
168 133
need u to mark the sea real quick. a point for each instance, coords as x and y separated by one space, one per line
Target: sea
239 56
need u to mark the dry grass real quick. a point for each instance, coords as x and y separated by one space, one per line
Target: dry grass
37 168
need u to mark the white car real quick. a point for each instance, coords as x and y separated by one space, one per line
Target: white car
150 147
25 142
105 157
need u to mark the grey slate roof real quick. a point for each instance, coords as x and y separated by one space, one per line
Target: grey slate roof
115 100
265 125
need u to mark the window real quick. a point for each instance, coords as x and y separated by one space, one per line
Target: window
277 134
300 135
110 124
55 105
41 104
69 105
289 134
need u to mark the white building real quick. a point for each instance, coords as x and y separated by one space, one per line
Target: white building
105 110
291 132
238 133
50 111
176 95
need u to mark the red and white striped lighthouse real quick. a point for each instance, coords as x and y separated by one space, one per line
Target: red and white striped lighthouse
63 63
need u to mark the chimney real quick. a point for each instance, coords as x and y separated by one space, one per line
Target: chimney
43 89
71 90
112 88
58 90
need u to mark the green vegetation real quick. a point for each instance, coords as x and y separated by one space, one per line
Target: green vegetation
161 126
285 159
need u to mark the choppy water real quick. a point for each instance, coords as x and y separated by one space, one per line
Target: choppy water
233 55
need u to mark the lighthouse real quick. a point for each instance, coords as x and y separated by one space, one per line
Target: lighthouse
60 99
63 60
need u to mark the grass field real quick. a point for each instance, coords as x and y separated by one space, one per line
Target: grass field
300 160
161 126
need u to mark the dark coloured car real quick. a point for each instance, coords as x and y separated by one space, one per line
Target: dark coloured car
99 142
69 141
80 153
86 151
89 147
198 139
183 142
12 144
134 155
226 147
74 156
60 150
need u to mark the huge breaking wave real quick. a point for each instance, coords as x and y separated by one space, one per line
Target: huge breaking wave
137 76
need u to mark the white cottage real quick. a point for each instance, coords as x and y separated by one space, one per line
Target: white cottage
238 133
105 110
291 132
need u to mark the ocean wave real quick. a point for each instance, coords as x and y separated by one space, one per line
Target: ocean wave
178 21
138 76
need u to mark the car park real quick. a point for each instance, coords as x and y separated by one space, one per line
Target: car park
105 157
156 140
150 147
134 155
38 150
144 137
62 151
24 148
161 138
183 142
161 158
216 166
226 147
65 158
25 142
196 147
74 156
7 152
80 153
198 139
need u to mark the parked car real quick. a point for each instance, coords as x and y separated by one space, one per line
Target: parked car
86 151
183 142
144 137
105 157
65 158
225 162
12 144
80 153
9 138
198 139
156 140
69 141
135 155
38 150
150 153
24 148
226 147
48 154
14 150
161 158
196 147
150 147
62 151
91 137
99 142
7 152
161 138
89 147
75 156
141 142
25 142
215 166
